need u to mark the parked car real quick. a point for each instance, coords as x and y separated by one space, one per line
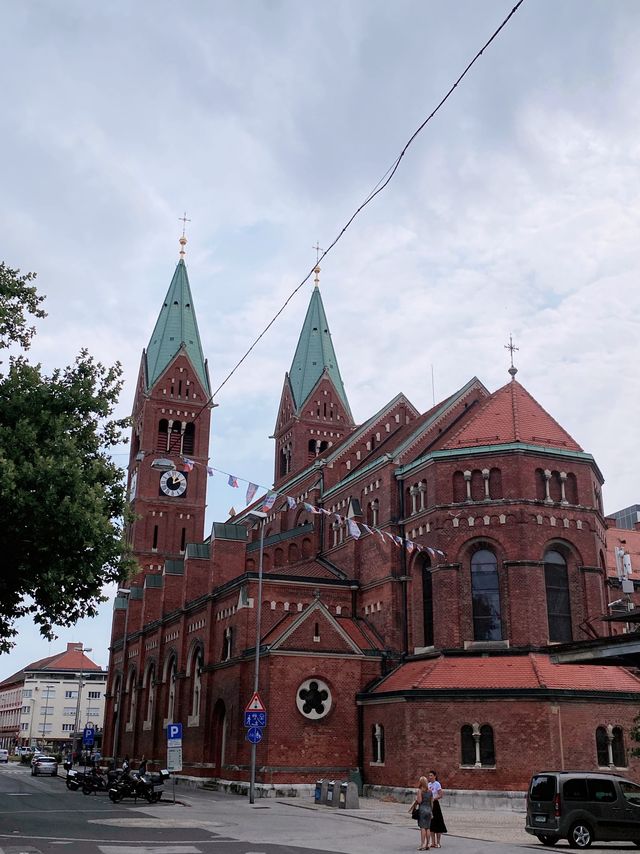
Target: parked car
583 806
44 765
4 755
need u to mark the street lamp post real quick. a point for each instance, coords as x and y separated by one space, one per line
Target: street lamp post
257 518
116 725
76 725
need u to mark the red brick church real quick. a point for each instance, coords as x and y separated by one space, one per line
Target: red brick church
418 569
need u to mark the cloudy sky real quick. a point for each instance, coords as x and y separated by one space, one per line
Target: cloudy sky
517 210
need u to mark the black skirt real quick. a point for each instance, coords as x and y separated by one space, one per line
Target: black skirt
437 821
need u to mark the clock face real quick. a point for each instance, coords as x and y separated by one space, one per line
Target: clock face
173 484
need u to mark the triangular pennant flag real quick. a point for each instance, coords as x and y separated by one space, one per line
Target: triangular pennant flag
381 533
251 491
410 545
397 540
291 502
269 501
187 465
354 530
233 481
326 512
310 508
232 511
367 528
210 471
440 552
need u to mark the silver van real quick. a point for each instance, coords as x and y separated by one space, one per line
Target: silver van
583 806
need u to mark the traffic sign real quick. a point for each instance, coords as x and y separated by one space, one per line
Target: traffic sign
88 735
255 719
255 704
174 732
254 735
174 759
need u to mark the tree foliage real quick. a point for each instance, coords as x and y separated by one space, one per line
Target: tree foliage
61 496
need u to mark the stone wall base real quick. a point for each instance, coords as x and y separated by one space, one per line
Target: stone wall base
456 798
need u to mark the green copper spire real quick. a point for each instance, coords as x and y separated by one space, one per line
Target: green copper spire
176 326
314 355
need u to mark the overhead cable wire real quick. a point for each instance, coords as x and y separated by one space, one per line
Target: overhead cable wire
379 187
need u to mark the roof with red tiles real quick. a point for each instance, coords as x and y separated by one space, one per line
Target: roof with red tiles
534 670
72 659
511 415
303 569
360 633
353 627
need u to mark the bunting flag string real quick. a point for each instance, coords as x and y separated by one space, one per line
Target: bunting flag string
354 528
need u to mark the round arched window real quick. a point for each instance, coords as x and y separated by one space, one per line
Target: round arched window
313 699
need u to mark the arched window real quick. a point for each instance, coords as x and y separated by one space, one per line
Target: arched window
459 487
467 746
132 697
278 557
175 437
294 553
377 743
163 435
227 644
189 440
571 488
556 581
196 688
485 596
150 691
487 749
619 754
427 601
602 747
495 483
541 485
171 677
306 547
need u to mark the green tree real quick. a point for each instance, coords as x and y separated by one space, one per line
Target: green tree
62 498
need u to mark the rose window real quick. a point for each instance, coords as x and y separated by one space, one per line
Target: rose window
313 699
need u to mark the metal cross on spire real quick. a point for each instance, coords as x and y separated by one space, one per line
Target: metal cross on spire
316 270
511 347
183 240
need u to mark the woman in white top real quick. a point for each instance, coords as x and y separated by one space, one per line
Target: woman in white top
438 827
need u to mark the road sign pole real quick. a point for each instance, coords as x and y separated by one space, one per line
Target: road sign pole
256 675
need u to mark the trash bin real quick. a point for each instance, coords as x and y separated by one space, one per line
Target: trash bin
333 789
349 796
317 795
355 776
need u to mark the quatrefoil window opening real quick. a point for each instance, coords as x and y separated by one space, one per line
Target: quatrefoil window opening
313 699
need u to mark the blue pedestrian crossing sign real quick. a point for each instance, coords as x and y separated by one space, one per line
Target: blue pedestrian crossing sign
254 735
88 736
255 719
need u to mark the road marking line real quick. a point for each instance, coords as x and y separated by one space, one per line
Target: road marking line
155 849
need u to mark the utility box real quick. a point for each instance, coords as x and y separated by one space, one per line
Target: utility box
317 795
331 785
349 796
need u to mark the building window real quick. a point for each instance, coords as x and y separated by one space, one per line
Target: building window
94 695
172 676
427 601
67 727
93 711
313 699
477 746
197 683
227 643
377 743
151 691
189 441
69 711
610 747
71 695
27 694
485 595
557 587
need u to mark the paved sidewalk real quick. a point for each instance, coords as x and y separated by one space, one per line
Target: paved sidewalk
378 826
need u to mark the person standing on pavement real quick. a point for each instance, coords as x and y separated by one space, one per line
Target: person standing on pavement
438 827
423 800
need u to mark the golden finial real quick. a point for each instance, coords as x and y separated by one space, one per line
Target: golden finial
512 348
183 240
316 269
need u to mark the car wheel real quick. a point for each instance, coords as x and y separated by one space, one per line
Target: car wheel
547 840
580 835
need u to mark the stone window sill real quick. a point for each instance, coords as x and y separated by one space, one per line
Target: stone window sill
477 767
193 720
146 725
129 726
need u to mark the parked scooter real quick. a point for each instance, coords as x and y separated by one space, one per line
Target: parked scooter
72 780
94 781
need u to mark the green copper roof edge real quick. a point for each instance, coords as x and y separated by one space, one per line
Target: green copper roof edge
441 409
159 352
401 471
302 389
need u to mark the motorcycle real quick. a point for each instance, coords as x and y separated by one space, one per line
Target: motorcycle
94 781
72 781
133 785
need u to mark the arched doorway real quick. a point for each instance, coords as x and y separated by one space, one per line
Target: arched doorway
219 735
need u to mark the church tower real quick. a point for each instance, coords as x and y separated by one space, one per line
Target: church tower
170 419
314 410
